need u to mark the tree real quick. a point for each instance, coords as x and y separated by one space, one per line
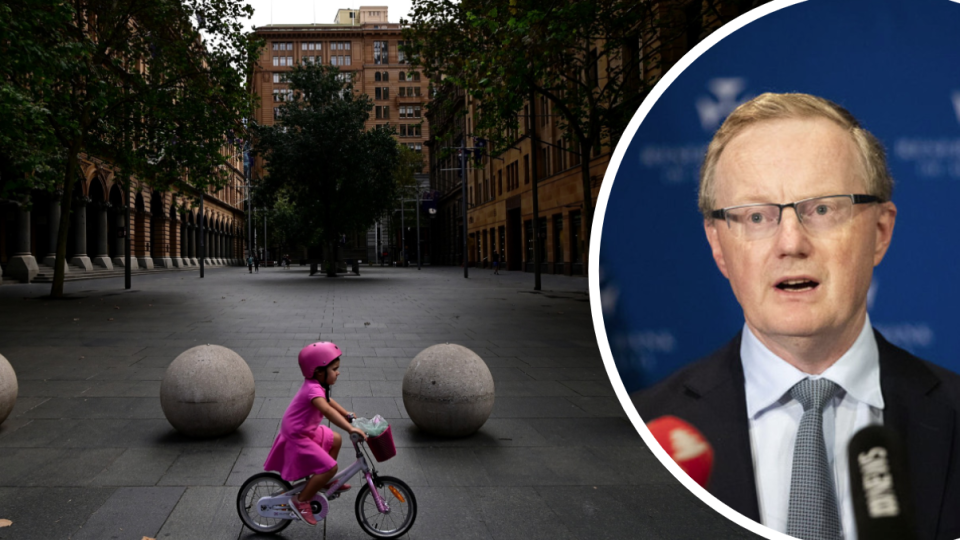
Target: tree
133 83
593 61
339 176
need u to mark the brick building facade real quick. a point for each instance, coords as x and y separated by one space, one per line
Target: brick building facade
368 50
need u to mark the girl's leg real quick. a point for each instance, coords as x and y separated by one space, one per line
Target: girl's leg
337 444
314 484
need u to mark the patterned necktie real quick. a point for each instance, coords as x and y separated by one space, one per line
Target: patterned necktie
813 511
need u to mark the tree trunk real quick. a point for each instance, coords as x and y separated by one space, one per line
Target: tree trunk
330 258
66 203
587 201
535 179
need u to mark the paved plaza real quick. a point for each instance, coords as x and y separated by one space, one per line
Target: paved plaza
88 454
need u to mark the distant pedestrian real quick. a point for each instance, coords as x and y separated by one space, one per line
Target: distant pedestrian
496 262
256 264
250 263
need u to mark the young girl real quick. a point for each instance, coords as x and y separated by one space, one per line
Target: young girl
304 447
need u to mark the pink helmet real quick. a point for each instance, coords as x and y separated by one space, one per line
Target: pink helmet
317 355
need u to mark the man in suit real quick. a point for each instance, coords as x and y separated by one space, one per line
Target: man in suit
796 199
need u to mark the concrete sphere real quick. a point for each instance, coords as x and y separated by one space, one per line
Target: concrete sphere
207 391
8 388
448 390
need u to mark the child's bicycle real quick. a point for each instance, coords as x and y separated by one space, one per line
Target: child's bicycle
385 507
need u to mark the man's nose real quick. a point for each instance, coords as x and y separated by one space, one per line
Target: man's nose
792 237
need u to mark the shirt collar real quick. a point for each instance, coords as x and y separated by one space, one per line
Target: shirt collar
768 377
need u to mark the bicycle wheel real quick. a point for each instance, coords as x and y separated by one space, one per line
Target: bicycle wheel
402 503
261 485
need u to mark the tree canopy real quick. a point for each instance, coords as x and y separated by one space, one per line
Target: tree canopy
153 87
338 176
592 61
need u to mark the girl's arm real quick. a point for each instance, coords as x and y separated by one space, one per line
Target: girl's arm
335 417
343 412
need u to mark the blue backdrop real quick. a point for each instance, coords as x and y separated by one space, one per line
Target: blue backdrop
896 66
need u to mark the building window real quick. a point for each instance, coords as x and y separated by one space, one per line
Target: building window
558 238
410 130
380 53
276 113
500 182
381 92
401 52
376 77
276 78
409 91
282 46
311 46
382 111
526 169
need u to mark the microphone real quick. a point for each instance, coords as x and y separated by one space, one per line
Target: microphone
685 445
880 486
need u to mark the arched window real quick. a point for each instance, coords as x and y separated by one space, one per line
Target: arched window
376 77
402 77
386 76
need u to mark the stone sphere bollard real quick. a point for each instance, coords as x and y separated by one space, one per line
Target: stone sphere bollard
448 390
8 388
207 391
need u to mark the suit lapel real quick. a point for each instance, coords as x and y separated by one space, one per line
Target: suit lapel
925 424
721 415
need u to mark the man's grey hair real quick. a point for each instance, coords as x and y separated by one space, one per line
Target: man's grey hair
771 106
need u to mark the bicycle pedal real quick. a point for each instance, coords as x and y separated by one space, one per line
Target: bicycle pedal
336 495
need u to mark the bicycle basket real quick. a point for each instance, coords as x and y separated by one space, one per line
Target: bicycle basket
382 445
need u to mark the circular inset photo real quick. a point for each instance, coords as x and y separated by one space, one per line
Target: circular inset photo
773 289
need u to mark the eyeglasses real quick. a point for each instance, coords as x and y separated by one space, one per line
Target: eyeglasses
817 215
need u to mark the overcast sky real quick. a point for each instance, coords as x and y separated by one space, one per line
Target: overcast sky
318 11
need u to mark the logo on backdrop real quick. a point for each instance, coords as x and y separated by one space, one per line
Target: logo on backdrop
933 158
726 90
680 162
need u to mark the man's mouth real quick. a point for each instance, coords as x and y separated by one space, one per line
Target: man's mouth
797 285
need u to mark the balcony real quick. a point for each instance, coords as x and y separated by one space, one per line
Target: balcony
409 100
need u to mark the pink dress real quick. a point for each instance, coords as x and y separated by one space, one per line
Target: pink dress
303 445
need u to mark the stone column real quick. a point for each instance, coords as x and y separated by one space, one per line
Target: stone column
121 243
164 260
218 241
146 261
54 218
184 244
208 260
80 258
176 239
23 265
103 232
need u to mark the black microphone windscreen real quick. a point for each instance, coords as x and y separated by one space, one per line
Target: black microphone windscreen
880 486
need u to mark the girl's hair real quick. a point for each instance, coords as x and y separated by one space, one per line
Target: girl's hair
323 384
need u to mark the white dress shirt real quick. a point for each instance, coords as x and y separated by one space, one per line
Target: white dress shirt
774 418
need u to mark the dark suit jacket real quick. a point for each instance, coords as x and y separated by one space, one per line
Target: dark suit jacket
922 403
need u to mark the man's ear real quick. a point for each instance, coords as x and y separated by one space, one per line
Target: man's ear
713 237
886 219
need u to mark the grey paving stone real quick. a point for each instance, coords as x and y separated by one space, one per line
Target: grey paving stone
200 467
35 433
556 428
45 513
249 463
369 407
519 513
536 407
203 513
131 512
